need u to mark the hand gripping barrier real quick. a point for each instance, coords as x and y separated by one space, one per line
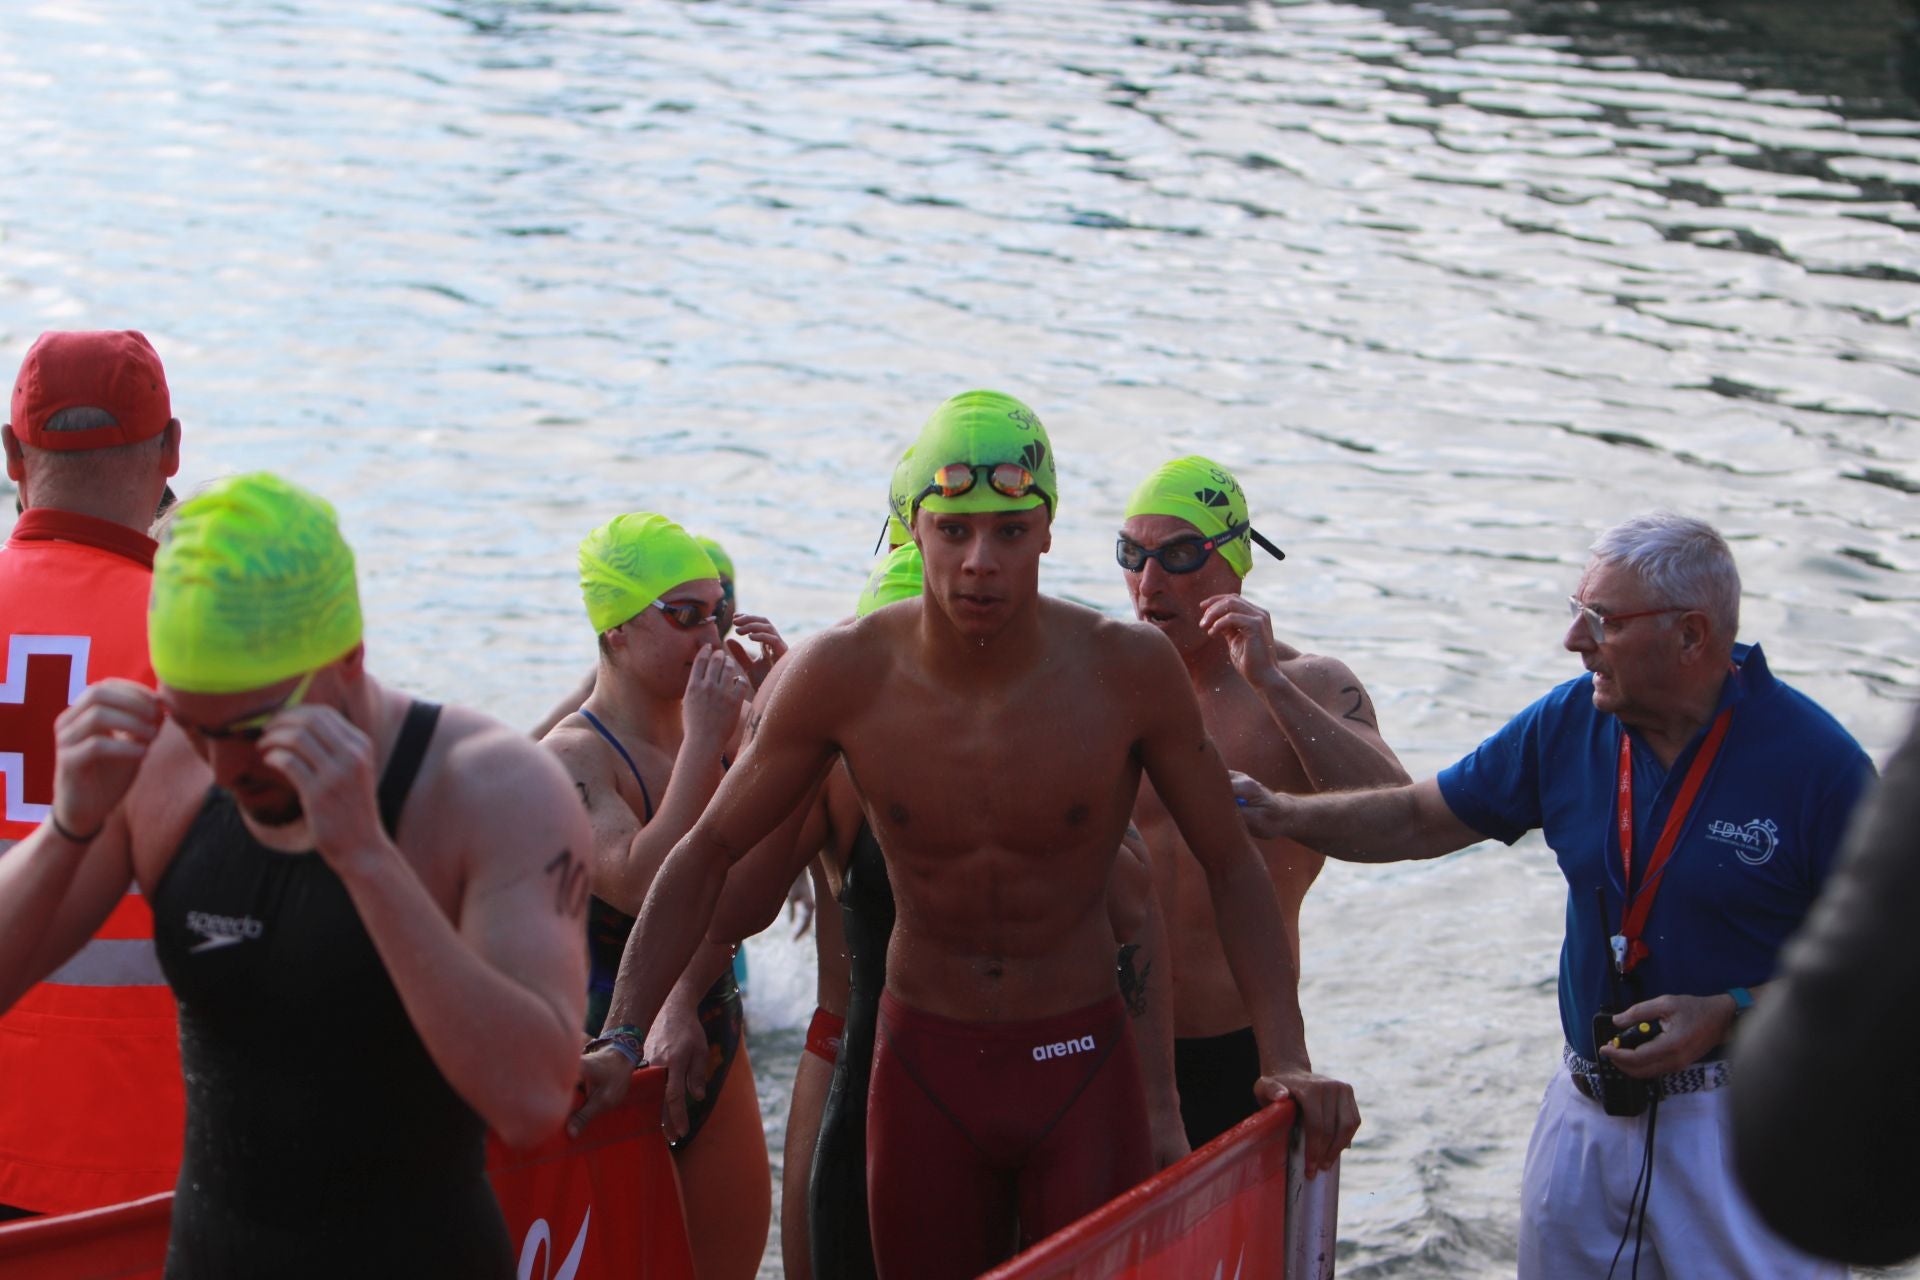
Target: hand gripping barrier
606 1205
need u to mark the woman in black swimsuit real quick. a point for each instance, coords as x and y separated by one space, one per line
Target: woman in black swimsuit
646 752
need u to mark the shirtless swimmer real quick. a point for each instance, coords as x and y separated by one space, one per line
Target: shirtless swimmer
997 738
1296 721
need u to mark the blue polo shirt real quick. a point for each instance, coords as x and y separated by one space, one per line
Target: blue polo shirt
1755 850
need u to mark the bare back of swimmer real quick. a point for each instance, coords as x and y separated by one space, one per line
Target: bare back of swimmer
997 738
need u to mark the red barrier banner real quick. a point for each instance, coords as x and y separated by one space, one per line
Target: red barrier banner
1221 1212
604 1207
119 1241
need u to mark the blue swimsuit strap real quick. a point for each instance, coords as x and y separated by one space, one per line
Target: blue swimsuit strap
603 731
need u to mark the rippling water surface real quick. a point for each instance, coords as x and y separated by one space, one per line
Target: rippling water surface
1452 288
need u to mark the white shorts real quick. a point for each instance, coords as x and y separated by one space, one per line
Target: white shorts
1582 1165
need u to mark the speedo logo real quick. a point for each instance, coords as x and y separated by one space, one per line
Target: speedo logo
1061 1048
221 931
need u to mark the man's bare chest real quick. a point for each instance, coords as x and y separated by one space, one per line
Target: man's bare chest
1006 772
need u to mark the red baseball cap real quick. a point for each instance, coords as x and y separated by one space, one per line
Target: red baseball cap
117 371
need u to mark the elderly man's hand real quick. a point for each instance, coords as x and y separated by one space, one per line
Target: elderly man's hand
1263 811
1689 1026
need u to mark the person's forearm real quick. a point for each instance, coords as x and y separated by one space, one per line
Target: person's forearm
1146 984
1382 824
510 1052
710 960
1259 949
696 776
670 928
35 874
1332 753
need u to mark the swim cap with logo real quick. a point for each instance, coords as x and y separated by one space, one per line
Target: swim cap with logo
900 491
897 576
631 561
253 586
981 428
1205 495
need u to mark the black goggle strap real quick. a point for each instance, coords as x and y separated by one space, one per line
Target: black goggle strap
1140 555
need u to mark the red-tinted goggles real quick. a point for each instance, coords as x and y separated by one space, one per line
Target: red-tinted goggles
1008 479
688 614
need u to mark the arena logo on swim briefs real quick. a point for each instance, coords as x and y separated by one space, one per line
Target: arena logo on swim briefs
1061 1048
1754 842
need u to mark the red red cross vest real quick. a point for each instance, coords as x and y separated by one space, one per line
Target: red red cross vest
91 1103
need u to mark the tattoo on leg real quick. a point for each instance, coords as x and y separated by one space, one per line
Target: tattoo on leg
1133 985
569 883
1355 712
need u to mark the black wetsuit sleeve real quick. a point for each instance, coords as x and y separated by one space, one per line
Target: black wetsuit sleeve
1826 1113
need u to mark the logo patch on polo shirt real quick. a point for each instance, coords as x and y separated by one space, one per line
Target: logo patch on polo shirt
1753 841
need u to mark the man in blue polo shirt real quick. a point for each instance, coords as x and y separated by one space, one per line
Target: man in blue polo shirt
1678 768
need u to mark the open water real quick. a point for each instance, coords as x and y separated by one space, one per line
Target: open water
1453 287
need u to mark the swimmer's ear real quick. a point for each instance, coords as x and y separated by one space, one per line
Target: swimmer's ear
16 457
353 663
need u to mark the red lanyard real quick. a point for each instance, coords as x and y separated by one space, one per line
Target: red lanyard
1628 950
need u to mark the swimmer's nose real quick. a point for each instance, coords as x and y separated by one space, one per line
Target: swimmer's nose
232 758
979 559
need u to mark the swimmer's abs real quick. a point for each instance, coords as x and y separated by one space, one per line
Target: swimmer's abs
1076 971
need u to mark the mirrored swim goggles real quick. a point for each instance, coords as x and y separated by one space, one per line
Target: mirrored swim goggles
1008 479
688 614
1186 555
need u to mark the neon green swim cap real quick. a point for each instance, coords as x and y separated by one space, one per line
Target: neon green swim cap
1205 495
896 576
900 491
716 553
981 428
631 561
254 586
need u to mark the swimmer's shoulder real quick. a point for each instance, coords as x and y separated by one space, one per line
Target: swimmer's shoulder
837 669
1319 676
581 751
1133 646
483 778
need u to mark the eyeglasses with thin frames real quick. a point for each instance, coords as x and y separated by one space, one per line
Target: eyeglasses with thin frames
1597 622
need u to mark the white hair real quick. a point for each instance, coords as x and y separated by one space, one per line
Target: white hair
1683 562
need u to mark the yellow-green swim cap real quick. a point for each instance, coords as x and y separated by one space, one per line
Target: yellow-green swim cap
722 562
900 491
631 561
1205 495
254 586
896 576
980 428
